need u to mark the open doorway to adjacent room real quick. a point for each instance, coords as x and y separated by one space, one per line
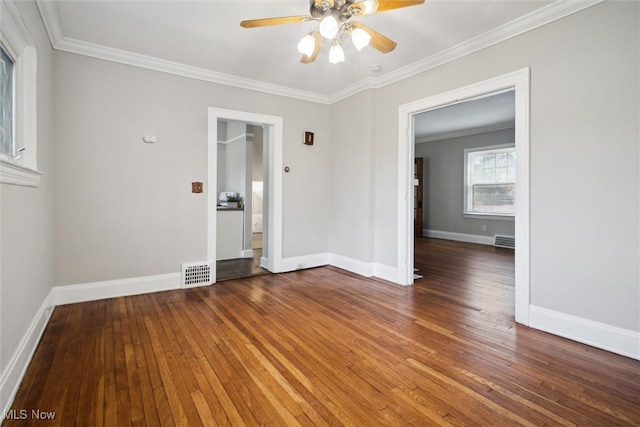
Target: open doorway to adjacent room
464 201
244 194
240 175
455 135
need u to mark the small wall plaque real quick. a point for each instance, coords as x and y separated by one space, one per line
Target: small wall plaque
308 138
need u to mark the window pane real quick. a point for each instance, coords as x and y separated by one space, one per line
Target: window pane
501 160
6 103
491 181
493 198
501 175
489 161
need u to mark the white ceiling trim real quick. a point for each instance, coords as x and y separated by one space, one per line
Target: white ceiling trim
51 19
538 18
531 21
466 132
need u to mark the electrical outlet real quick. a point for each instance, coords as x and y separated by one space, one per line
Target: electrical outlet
484 228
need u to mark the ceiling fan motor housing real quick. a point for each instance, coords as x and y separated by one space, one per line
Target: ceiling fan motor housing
319 8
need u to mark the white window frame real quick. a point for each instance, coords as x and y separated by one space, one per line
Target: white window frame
22 169
468 213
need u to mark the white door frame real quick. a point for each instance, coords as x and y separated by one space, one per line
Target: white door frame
520 81
274 213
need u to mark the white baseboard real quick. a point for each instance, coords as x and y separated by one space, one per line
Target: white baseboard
12 375
247 253
114 288
459 237
306 261
366 269
599 335
387 273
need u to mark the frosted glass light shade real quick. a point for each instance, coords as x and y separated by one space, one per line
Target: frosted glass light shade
336 54
329 27
360 38
307 45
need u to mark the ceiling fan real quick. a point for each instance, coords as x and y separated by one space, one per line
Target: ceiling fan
335 25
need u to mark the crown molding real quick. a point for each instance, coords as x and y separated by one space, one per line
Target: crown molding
114 55
538 18
51 19
466 132
545 15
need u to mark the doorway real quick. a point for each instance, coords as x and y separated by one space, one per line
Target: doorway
240 174
272 129
519 82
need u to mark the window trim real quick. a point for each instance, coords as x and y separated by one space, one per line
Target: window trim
465 190
15 37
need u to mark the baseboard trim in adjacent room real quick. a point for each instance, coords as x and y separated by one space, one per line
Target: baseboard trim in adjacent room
14 372
459 237
606 337
70 294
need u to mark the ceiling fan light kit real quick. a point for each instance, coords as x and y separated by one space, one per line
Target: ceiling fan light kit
336 54
360 38
307 45
329 26
333 17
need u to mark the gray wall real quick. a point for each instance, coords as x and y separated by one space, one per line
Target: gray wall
583 157
444 185
125 208
26 225
352 178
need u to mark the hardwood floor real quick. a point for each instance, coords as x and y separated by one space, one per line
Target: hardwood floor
325 347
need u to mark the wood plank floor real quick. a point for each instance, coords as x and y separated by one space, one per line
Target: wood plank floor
324 347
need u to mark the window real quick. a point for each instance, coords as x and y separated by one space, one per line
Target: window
18 100
490 181
7 146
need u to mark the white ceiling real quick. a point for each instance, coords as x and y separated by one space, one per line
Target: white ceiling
482 114
204 39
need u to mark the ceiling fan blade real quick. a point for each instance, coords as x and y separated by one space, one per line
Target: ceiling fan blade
316 50
367 7
254 23
378 41
384 5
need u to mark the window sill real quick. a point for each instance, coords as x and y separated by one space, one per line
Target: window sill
498 217
11 173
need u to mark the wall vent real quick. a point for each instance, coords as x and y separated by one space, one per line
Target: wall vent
500 241
196 274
